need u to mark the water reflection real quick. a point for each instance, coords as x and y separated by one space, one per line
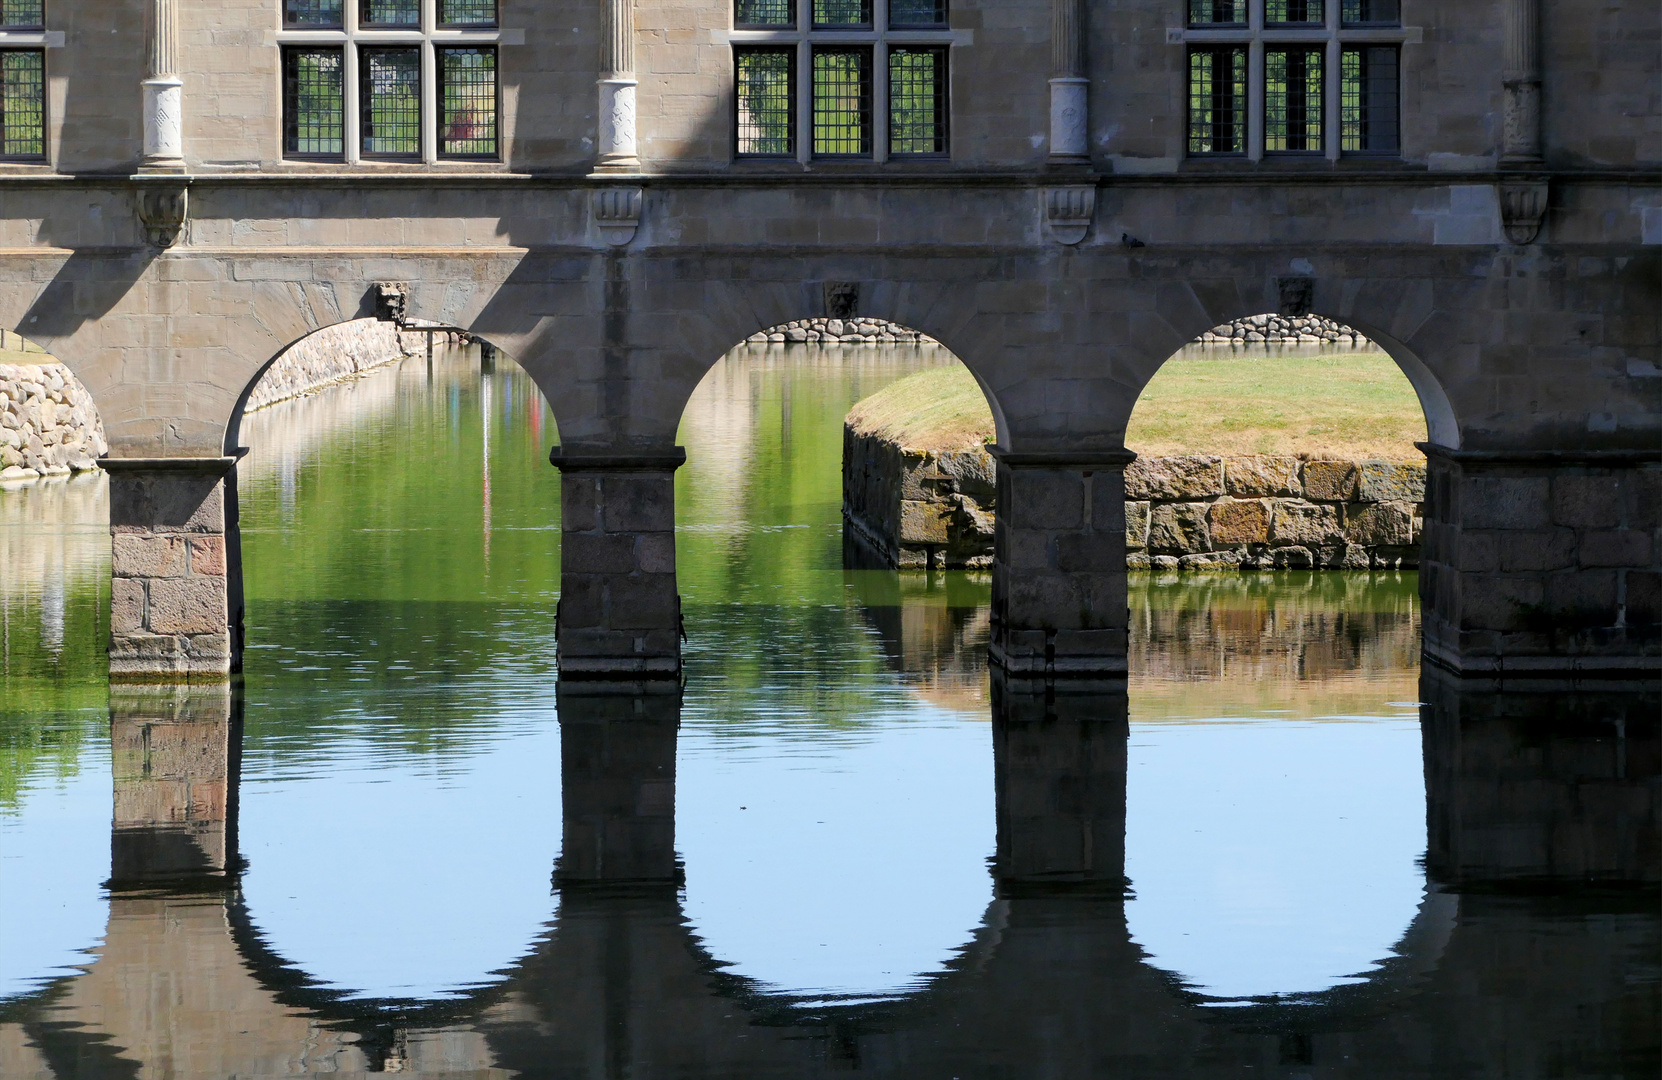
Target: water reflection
845 846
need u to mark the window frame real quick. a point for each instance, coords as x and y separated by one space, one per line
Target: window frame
1332 35
877 36
431 36
285 53
45 119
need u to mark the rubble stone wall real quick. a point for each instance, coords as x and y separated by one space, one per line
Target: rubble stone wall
920 508
48 425
1254 330
334 354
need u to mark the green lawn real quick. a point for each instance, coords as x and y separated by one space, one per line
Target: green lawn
1351 404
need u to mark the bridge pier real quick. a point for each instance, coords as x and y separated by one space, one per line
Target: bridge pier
171 598
1059 585
1543 563
620 613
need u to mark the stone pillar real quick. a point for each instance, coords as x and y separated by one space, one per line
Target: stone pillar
175 751
1069 89
1059 761
169 603
1522 80
617 90
619 614
164 92
1555 785
1059 587
617 777
1542 563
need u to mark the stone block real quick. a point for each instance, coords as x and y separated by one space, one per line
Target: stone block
1089 551
578 501
1535 549
1478 550
1136 525
924 522
638 502
1329 481
1214 562
597 553
1390 481
582 601
1189 477
1616 547
1506 502
141 555
1500 602
1046 499
1295 521
1584 599
1178 529
1291 558
1586 502
207 555
1644 598
1380 523
126 606
642 601
1261 475
166 502
193 605
1245 521
655 552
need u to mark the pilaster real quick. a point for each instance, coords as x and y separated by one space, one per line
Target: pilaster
1522 79
1069 88
164 92
618 151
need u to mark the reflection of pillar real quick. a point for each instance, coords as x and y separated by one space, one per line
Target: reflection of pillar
1522 79
1529 784
617 777
164 128
1069 89
175 752
619 614
1059 759
617 89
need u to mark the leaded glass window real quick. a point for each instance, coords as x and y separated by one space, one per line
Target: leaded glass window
1293 99
314 103
1295 12
389 101
832 14
842 101
312 13
467 103
909 13
917 100
766 102
764 13
1369 92
1217 100
1210 12
467 12
1371 12
23 103
22 14
401 13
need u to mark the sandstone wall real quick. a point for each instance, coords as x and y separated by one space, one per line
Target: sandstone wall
333 354
916 508
48 425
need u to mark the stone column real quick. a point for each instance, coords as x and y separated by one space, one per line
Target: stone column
1522 79
1059 586
617 778
175 751
1069 89
617 90
164 116
1541 785
619 613
1059 762
169 603
1543 563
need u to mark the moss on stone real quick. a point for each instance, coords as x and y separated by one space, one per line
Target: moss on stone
941 408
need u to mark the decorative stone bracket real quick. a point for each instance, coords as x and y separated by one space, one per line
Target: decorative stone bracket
392 301
617 213
1296 295
163 208
842 299
1523 206
1068 213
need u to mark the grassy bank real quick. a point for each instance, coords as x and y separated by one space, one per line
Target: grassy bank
1356 405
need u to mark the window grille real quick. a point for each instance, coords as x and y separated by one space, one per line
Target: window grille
924 13
1217 100
389 100
1211 12
314 103
842 101
830 14
1296 12
917 100
312 13
467 12
1371 12
23 103
1293 100
1368 100
467 103
23 14
400 13
764 13
766 102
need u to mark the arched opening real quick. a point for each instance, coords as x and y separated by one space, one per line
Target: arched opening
834 732
1275 804
399 530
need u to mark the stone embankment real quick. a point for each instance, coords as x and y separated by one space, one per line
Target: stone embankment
48 425
841 331
1285 330
335 354
921 508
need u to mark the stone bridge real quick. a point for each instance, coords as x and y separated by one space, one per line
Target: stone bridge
1051 983
1064 243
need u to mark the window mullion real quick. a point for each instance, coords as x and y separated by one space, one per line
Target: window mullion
804 88
351 129
1331 102
1255 100
880 98
429 103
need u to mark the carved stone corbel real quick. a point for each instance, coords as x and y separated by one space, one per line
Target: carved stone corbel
164 209
617 213
392 301
1523 206
1295 295
1068 213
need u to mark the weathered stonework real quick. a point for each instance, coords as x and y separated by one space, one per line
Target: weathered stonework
334 354
1286 330
840 332
48 425
919 508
